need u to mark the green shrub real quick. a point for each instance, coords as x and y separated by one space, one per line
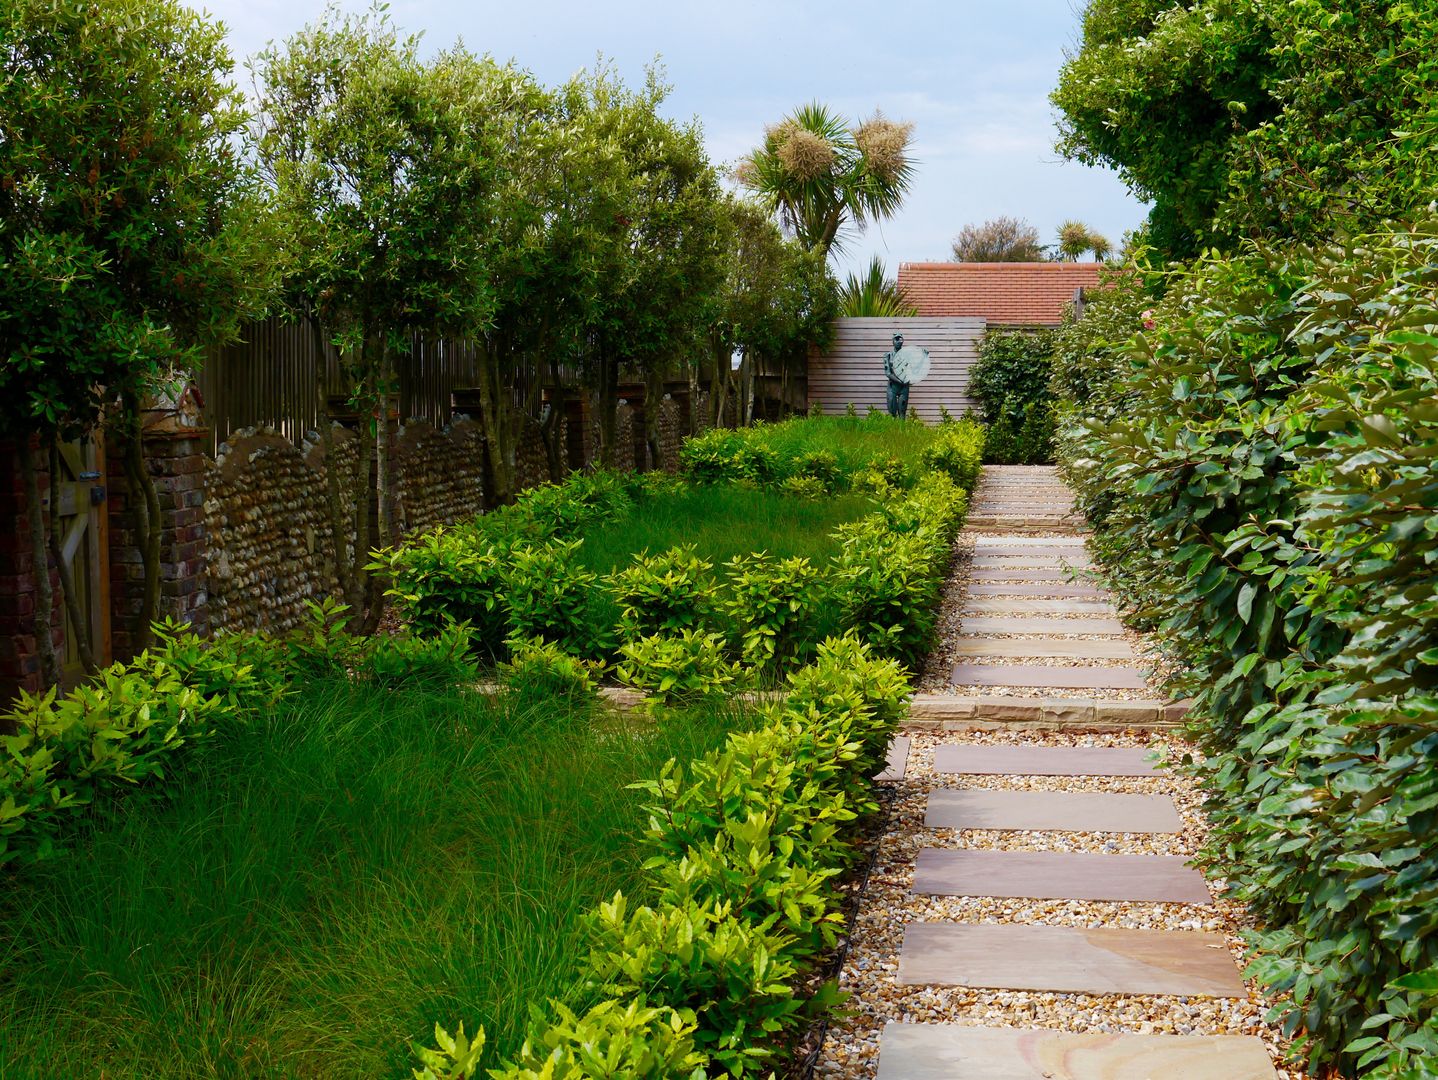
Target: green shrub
549 595
678 669
447 576
664 593
957 451
613 1040
1260 466
821 466
539 671
772 604
1011 382
399 660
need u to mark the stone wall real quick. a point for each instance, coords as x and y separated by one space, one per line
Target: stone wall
19 662
440 474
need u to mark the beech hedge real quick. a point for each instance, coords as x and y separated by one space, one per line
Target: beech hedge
1258 452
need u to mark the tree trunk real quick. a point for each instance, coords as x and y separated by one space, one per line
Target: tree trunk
79 631
495 418
653 401
550 426
145 506
44 593
608 408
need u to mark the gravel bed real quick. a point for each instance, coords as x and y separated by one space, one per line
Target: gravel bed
851 1049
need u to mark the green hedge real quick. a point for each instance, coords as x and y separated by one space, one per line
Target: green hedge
1010 381
514 575
1261 464
710 972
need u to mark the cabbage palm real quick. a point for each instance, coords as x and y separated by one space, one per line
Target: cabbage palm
872 295
821 174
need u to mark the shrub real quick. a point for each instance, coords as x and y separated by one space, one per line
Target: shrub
450 575
821 466
1260 469
678 669
548 595
771 603
1010 382
957 451
399 660
539 671
664 594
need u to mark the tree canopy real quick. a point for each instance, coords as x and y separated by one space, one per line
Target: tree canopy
1000 239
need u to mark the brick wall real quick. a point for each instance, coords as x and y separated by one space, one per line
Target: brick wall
19 662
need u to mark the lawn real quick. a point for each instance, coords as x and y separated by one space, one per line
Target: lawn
352 868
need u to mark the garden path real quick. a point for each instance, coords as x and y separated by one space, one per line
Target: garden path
1032 914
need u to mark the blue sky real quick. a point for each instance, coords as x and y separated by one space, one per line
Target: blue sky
973 77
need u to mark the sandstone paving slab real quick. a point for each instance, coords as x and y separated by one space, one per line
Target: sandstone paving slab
955 1052
1051 811
1056 574
1025 605
1036 675
1010 554
1068 959
1018 624
1059 875
1059 590
980 760
1049 648
898 762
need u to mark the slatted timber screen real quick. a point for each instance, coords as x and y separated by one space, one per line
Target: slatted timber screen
852 370
268 378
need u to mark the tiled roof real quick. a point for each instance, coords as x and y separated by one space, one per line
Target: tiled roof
1015 294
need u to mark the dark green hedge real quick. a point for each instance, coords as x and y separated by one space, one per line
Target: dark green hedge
1261 465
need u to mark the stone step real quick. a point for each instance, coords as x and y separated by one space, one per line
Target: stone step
1018 624
1059 648
1057 590
1068 960
1014 556
1059 875
1029 606
964 712
977 759
1048 677
898 763
997 572
956 1052
1051 811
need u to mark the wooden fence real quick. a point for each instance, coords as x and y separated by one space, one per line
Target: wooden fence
852 370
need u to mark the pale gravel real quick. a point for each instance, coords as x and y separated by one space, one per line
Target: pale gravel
851 1048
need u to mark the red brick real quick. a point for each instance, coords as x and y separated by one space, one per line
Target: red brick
1015 294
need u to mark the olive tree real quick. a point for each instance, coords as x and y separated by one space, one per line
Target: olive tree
381 185
121 252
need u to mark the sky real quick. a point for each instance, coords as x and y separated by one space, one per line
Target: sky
973 77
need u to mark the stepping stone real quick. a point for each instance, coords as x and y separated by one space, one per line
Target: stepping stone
1051 811
1018 624
1059 875
1011 556
1066 678
976 759
1061 648
1058 589
1028 606
995 571
1068 960
951 1052
898 762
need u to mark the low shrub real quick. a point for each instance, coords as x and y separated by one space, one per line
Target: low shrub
772 605
550 596
539 671
957 451
446 659
664 594
450 575
678 669
1011 382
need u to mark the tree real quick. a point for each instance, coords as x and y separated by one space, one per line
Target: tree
775 301
1242 119
874 295
821 174
1000 239
122 248
381 184
1075 238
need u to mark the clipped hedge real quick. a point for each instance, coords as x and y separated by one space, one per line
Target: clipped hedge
513 575
1261 464
1011 382
702 975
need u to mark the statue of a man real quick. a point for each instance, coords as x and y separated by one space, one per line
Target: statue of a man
898 387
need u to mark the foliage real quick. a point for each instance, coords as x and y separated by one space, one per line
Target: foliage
618 1042
1013 372
1000 239
1257 117
772 604
1260 465
678 669
549 595
820 174
395 661
1075 238
957 451
874 295
664 593
122 247
539 673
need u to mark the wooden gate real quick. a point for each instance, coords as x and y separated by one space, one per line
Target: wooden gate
84 545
